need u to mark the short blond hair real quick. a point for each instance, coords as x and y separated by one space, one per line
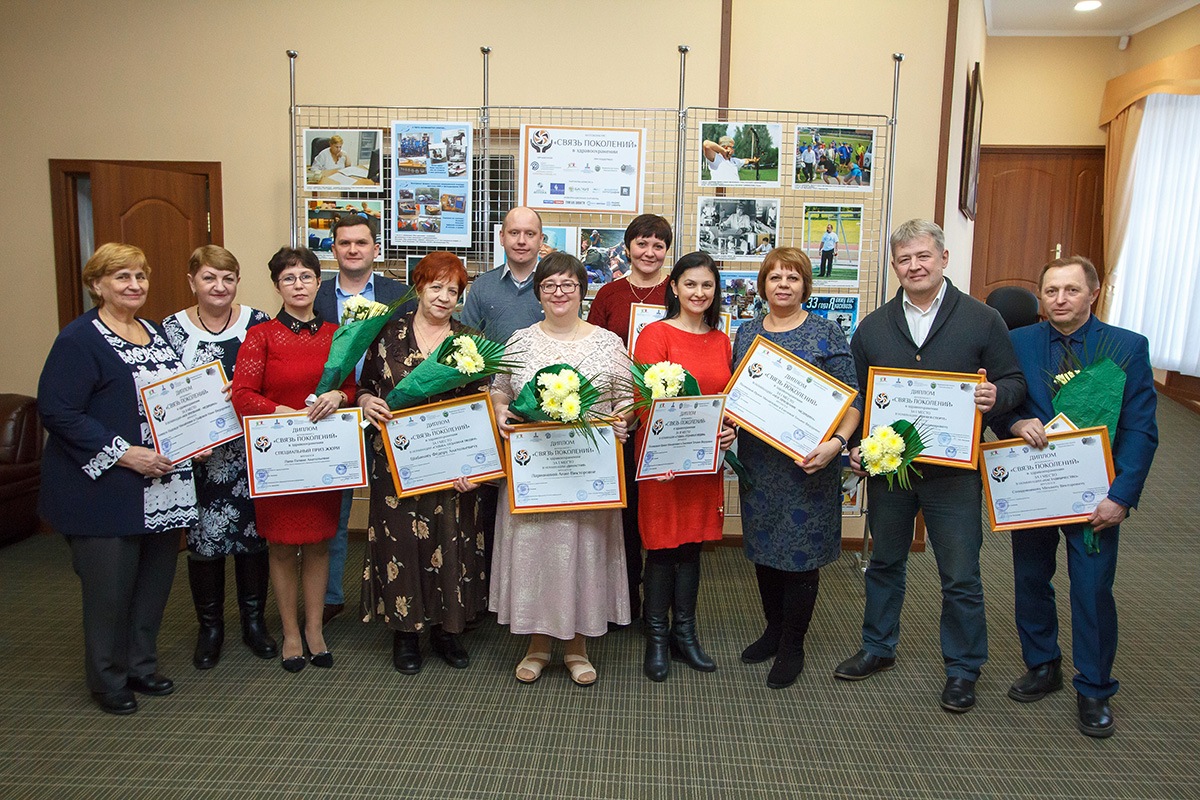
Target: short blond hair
109 258
215 256
335 139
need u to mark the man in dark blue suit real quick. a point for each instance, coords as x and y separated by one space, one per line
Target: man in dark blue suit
355 246
1068 288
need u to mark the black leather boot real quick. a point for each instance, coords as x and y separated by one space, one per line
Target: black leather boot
769 592
252 571
207 579
685 644
799 600
658 586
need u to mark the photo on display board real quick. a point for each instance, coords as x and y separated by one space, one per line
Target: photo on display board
833 158
431 184
831 236
602 251
736 153
737 228
342 159
740 298
323 213
564 238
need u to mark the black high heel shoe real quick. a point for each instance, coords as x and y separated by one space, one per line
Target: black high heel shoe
293 664
324 660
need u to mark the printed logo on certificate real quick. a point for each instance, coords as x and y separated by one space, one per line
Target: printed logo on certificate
642 314
785 401
429 447
940 404
1061 484
554 467
682 436
189 412
287 454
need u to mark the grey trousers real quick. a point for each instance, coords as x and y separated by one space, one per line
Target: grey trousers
126 581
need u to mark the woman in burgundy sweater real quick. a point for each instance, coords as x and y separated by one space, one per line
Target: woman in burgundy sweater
278 365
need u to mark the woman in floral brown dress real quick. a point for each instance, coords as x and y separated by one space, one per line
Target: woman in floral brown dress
424 565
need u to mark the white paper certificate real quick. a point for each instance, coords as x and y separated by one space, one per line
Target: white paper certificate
940 404
573 169
287 454
642 314
189 413
556 468
785 401
1060 424
429 446
682 436
1060 484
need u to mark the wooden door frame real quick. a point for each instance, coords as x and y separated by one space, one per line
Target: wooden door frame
64 212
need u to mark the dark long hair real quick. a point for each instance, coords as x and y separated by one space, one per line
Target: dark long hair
712 314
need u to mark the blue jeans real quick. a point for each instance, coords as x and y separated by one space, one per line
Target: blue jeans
337 553
1093 609
951 500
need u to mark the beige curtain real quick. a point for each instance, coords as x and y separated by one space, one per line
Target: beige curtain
1121 113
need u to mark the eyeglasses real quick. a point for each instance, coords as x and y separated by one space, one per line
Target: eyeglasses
304 279
567 287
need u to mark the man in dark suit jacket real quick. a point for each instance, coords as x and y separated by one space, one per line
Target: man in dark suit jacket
930 325
355 247
1068 288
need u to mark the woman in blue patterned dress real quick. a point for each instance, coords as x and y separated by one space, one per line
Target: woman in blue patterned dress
791 518
213 330
120 504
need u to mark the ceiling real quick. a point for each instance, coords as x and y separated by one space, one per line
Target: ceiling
1059 17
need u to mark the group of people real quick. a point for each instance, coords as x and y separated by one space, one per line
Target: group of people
435 562
825 161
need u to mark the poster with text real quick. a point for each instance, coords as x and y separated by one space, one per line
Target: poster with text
832 239
841 308
574 169
431 184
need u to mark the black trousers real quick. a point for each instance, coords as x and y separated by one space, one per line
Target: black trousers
126 581
826 262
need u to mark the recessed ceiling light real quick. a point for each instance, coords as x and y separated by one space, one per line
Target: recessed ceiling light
1087 5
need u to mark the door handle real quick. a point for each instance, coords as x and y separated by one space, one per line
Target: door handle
1058 250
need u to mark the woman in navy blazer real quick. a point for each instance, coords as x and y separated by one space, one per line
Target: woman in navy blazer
120 504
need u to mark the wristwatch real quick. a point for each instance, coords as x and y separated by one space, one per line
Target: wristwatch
840 438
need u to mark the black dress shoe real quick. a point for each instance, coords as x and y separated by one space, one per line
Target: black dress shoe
324 659
406 652
959 695
449 648
862 665
331 611
153 684
120 702
1037 682
1095 717
293 664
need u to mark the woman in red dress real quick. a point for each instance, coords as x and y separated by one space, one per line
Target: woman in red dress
676 515
278 366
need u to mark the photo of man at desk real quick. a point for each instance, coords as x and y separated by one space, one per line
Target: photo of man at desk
342 160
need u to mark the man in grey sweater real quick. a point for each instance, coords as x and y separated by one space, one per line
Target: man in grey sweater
931 325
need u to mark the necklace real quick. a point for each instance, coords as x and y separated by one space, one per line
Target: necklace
423 346
649 290
554 334
228 319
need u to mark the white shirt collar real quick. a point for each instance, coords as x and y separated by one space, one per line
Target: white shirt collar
933 307
369 287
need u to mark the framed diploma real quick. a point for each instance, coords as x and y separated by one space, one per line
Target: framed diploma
682 436
189 413
554 467
941 404
1060 424
642 314
1060 484
287 454
785 401
430 446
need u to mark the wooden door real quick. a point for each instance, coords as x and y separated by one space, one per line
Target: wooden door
167 208
1035 204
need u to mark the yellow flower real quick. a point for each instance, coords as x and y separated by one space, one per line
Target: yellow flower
872 449
892 442
572 379
890 462
570 408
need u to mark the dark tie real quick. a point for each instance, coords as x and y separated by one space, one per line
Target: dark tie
1064 351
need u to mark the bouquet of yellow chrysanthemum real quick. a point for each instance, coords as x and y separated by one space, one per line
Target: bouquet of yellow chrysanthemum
457 361
559 393
361 322
890 450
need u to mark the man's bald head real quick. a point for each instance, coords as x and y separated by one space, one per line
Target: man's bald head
521 236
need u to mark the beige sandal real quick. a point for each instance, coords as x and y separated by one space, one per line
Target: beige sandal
582 671
532 665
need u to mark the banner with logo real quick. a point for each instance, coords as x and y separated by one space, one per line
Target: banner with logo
566 168
431 184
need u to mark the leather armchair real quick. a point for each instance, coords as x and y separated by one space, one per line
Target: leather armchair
21 439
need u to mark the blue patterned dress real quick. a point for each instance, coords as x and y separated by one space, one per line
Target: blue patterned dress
226 525
791 520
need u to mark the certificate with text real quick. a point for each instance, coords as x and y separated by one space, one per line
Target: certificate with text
287 454
555 467
682 436
1060 484
189 412
642 314
1060 424
430 446
940 404
785 401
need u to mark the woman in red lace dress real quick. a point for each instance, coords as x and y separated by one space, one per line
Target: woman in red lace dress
278 366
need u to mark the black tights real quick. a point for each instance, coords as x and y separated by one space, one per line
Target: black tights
684 554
